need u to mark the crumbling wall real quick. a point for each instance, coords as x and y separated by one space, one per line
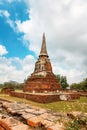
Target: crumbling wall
45 98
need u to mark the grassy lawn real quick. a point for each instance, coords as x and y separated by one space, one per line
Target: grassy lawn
61 106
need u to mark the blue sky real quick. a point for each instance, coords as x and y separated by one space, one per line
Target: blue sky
22 23
9 37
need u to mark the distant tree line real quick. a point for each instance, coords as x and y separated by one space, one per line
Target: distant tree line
82 86
12 84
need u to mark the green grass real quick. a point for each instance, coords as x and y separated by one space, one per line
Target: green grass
61 106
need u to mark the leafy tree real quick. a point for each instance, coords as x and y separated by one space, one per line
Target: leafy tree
63 81
75 86
82 86
8 85
20 86
14 85
1 85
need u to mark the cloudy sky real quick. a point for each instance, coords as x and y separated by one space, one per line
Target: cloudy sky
22 23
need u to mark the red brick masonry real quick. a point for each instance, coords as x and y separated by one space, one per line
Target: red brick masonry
45 98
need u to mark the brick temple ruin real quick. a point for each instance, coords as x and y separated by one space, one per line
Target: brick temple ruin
42 79
42 86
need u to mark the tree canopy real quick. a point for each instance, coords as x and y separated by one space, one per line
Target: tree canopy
12 84
63 81
82 86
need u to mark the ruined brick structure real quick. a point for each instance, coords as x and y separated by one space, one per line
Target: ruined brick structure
42 79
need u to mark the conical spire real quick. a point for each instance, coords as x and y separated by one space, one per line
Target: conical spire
43 47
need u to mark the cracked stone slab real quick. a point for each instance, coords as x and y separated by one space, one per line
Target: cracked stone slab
13 124
47 123
6 104
20 127
7 123
44 115
34 121
27 116
10 110
1 128
39 111
56 127
29 110
49 117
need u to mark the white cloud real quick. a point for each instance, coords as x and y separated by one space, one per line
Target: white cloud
71 65
11 23
5 13
65 24
9 68
3 50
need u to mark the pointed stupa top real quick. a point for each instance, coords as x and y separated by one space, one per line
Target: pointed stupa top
43 51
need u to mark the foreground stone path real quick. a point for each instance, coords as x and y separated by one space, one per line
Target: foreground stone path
20 116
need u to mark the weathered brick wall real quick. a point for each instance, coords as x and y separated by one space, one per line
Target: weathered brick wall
6 90
44 98
37 98
40 84
74 95
83 93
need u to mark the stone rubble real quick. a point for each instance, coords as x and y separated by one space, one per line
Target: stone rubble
20 116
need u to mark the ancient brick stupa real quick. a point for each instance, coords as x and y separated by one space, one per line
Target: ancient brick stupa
42 79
